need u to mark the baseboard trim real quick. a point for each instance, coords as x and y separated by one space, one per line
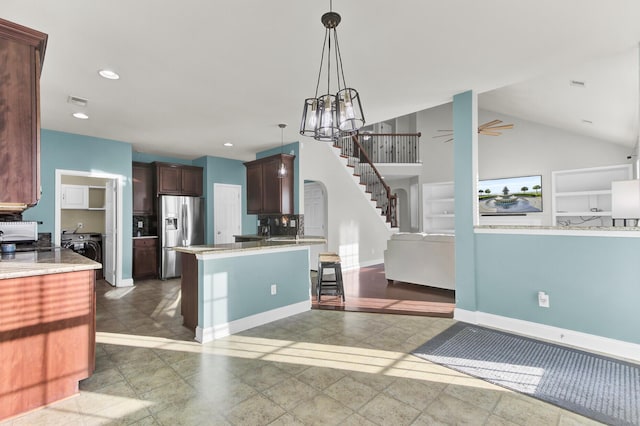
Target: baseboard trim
362 264
592 343
208 334
125 282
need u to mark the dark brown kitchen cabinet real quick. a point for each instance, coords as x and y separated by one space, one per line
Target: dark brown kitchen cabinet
145 258
143 196
21 56
178 179
266 193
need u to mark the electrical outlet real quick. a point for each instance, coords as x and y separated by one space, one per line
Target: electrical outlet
140 224
274 289
543 299
80 225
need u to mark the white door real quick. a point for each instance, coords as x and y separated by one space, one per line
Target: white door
315 219
227 212
109 240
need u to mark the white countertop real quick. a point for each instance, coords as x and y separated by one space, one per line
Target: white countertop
586 231
26 264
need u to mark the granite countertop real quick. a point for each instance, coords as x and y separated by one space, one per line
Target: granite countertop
273 242
26 264
253 236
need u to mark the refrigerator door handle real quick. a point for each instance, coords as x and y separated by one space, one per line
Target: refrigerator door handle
185 224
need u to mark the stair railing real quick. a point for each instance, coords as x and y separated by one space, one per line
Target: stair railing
403 148
371 177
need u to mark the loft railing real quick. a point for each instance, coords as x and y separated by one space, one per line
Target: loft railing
392 147
358 158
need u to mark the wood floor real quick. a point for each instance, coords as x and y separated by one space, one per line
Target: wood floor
366 290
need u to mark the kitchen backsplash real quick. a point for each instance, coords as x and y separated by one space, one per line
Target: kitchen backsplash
149 226
288 224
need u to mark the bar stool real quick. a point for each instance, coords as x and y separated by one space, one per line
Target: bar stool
329 261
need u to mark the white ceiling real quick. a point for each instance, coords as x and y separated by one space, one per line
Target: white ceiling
198 73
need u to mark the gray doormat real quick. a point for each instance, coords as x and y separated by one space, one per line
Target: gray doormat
604 389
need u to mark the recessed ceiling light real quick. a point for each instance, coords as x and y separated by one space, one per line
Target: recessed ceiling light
108 74
227 144
80 115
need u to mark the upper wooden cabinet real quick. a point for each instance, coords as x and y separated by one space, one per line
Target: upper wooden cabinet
21 56
266 193
143 196
178 179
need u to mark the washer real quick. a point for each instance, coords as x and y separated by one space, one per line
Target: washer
88 245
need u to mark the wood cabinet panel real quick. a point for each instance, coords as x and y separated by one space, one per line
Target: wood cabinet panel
189 291
254 188
21 55
191 181
178 179
145 258
47 338
143 196
266 193
169 179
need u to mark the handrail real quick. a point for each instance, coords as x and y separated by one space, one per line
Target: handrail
419 134
391 206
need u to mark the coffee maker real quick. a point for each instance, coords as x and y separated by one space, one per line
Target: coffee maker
264 229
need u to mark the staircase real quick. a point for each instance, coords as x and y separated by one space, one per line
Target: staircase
365 174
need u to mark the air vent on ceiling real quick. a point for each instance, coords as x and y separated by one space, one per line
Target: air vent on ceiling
577 83
78 101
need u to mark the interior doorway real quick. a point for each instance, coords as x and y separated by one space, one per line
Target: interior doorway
315 218
227 212
90 203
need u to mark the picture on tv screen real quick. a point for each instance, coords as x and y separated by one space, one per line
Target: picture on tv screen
514 195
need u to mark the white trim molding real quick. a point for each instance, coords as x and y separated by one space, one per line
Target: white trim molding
590 342
208 334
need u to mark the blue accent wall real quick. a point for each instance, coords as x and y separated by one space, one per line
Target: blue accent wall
464 111
150 158
593 283
59 150
293 149
236 287
227 171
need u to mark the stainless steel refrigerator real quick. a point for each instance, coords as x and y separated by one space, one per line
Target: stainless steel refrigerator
181 224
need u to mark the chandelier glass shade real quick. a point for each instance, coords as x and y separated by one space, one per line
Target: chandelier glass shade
329 116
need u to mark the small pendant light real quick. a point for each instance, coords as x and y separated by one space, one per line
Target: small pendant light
282 170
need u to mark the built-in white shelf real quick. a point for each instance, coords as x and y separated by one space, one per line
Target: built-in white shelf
82 197
582 197
438 205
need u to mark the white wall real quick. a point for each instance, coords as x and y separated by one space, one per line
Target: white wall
527 149
355 231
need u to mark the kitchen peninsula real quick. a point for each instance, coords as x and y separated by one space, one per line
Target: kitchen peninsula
228 288
47 327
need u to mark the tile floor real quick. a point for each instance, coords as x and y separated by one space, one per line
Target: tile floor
316 368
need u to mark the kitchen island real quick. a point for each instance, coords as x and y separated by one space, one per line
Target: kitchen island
228 288
47 327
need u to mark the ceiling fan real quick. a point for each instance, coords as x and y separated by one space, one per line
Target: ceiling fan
490 128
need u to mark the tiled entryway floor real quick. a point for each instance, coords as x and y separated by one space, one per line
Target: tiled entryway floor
316 368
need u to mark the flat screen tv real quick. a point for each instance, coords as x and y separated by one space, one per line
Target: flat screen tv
513 195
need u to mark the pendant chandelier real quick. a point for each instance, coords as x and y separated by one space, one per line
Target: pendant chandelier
330 116
282 169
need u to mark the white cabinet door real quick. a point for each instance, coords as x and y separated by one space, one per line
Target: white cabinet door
74 197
